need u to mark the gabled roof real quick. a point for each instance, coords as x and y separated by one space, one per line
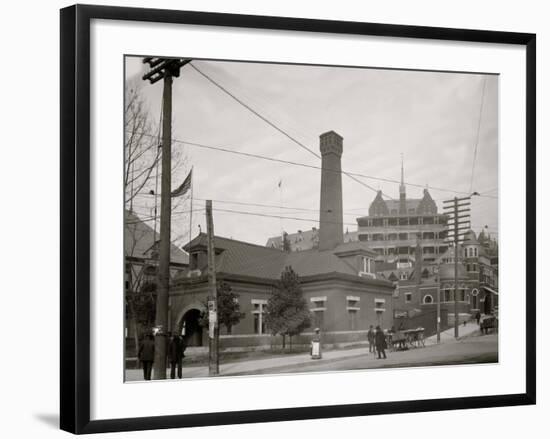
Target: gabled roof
140 240
470 238
242 258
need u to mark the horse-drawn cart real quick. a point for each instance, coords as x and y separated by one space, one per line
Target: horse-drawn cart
402 340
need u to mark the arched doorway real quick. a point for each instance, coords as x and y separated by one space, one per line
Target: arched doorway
190 328
488 304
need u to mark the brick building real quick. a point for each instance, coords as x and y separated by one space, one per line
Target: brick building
477 282
337 277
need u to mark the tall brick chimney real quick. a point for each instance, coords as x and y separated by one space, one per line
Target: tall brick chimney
331 230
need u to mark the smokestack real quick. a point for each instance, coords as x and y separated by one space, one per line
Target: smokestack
331 229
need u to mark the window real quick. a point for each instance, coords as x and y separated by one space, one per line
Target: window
367 265
403 275
475 252
379 306
194 263
408 297
447 295
352 319
319 319
428 299
318 309
258 311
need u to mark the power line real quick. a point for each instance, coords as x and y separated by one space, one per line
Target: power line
243 212
243 203
276 127
305 165
152 218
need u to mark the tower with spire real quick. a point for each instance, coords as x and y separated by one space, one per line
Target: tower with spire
393 227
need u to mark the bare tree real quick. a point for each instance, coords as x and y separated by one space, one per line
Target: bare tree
141 146
141 174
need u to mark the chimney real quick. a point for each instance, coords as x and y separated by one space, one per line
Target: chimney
331 228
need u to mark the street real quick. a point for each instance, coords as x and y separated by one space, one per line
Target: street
472 350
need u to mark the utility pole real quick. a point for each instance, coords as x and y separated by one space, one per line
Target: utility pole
438 309
164 68
460 224
213 332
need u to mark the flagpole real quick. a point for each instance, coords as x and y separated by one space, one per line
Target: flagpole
156 192
191 208
281 213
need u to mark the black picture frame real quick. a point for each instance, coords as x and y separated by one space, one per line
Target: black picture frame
75 217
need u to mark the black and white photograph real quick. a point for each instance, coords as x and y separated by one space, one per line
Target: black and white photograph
293 218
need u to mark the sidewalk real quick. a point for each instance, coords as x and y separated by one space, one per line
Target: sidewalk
272 363
449 334
243 367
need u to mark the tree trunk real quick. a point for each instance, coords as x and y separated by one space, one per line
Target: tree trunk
290 343
283 342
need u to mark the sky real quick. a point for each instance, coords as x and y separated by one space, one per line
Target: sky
443 124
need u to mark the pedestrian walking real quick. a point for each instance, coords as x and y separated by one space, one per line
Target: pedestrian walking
370 338
176 352
380 340
146 355
478 317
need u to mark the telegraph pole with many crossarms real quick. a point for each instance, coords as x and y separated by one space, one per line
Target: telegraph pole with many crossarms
455 231
164 68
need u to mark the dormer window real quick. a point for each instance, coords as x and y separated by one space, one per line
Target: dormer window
367 267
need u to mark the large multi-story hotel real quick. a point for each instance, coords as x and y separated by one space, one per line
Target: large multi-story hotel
392 227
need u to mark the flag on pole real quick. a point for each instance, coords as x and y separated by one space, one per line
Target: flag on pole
184 187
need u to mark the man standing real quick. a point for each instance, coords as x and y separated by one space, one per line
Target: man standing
146 355
380 339
176 350
370 338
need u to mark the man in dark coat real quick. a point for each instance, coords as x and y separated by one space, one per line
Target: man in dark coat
370 338
176 350
146 355
380 340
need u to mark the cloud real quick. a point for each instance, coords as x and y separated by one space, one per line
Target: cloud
432 118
